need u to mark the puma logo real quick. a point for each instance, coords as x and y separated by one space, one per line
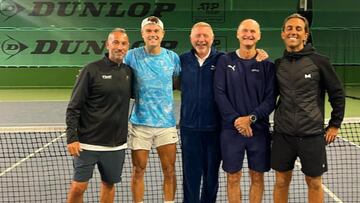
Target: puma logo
232 67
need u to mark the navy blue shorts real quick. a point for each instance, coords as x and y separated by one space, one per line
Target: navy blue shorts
109 163
234 145
311 151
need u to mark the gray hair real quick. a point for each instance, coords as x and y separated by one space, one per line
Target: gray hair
202 24
118 29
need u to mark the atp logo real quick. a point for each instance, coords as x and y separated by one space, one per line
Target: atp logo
9 8
12 47
209 7
208 10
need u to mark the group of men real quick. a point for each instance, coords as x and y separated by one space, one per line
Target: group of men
226 100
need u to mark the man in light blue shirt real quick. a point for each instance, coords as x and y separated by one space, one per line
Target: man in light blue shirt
153 118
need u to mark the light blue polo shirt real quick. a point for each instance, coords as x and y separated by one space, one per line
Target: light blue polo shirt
154 102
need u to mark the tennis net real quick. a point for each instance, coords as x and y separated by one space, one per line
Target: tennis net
35 167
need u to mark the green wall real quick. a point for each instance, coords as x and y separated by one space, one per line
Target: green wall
44 43
349 75
37 77
65 77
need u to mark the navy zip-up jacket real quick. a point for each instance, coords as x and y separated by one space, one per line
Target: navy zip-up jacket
198 108
244 87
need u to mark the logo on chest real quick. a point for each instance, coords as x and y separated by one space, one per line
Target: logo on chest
106 77
306 76
231 67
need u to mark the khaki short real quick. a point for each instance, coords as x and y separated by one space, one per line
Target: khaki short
144 137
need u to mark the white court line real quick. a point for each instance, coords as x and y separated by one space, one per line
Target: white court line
31 155
352 143
331 194
327 190
30 125
25 101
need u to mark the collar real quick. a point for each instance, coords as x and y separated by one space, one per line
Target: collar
307 50
212 52
110 62
202 59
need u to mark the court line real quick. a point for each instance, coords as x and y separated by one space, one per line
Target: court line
351 143
31 125
326 189
331 194
32 154
28 101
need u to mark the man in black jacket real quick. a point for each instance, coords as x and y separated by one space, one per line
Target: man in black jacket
303 77
97 119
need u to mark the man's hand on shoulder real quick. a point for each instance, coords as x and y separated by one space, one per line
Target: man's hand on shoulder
261 55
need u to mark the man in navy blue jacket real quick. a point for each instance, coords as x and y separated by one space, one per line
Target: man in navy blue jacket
199 119
244 92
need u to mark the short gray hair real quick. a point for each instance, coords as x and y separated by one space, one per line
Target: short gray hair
118 29
202 24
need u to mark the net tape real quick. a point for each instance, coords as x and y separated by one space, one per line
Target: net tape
35 167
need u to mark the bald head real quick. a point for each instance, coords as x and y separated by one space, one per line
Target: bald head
249 22
117 44
248 33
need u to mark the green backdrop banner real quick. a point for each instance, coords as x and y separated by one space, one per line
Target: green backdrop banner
336 30
129 13
76 48
341 45
336 14
72 32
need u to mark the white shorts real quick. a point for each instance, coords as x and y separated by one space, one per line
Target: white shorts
144 137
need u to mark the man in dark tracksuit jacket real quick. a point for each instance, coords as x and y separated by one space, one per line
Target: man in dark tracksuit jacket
97 119
199 118
303 78
244 91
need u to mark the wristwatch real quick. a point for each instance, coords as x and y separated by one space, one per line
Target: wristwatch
253 118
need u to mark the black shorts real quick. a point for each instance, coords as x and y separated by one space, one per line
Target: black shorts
311 151
109 163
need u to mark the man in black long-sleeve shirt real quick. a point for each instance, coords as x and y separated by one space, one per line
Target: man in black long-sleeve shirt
303 77
97 119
